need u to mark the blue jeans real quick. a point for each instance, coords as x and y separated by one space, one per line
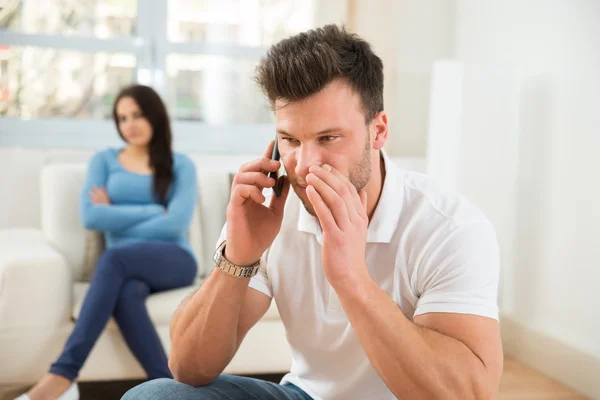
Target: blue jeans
225 387
124 277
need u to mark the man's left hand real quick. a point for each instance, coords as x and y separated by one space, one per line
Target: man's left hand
342 213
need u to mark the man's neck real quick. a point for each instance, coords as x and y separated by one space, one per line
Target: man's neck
375 185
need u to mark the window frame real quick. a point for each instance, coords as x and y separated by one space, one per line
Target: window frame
150 46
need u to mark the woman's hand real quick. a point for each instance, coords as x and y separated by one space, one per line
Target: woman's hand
98 195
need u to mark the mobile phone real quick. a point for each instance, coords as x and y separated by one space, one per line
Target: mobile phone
278 182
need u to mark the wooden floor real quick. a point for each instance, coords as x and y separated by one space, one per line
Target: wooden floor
522 382
518 382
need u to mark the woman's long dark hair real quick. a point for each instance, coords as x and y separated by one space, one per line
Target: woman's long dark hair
161 155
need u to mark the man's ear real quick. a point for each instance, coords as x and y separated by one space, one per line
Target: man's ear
379 130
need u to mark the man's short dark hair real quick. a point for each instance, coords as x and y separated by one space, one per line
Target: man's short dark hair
303 64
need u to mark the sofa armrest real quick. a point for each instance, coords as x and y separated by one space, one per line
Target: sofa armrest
35 282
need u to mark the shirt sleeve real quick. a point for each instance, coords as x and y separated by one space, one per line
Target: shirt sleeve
260 281
109 217
175 222
460 274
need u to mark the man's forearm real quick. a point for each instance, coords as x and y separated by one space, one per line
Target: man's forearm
206 324
414 362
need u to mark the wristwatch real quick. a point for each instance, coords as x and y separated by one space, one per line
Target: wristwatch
231 269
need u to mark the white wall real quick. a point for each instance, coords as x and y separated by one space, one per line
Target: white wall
473 142
409 36
553 49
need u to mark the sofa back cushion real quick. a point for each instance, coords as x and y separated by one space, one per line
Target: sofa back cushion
213 195
61 223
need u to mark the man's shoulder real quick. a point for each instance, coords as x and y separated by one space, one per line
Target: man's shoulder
441 225
425 196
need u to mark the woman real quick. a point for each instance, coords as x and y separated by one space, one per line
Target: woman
142 198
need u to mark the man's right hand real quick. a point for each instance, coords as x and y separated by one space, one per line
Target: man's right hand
251 226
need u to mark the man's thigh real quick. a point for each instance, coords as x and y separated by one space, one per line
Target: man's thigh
225 387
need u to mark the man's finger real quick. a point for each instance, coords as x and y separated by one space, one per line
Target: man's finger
352 190
363 199
341 185
241 193
331 198
328 174
269 150
323 212
356 196
257 179
261 165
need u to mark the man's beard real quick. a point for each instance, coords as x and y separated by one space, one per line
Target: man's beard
359 177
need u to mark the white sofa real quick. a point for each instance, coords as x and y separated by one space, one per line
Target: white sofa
41 287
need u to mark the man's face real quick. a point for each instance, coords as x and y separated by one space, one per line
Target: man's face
326 128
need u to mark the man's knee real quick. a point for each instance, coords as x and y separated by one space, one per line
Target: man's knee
162 389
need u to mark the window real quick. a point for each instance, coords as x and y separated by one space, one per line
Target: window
214 89
243 22
98 18
62 58
67 59
40 82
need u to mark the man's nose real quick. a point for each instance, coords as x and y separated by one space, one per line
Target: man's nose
306 156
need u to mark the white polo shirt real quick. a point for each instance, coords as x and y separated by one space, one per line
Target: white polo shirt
430 250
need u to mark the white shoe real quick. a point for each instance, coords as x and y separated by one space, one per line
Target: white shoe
72 393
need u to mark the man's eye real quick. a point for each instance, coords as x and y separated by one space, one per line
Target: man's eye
328 138
289 140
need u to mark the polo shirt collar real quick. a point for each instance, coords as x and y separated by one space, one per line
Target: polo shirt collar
385 218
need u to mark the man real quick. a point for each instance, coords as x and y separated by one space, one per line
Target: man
385 283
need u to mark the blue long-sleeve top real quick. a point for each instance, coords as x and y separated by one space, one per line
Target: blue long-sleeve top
135 214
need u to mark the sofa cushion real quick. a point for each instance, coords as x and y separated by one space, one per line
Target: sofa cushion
161 306
61 222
